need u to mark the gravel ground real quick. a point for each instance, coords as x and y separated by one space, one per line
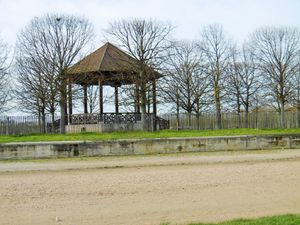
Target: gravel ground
207 187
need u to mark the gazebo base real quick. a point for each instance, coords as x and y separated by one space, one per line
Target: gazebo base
110 122
102 127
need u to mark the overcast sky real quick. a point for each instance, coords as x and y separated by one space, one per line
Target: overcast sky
239 17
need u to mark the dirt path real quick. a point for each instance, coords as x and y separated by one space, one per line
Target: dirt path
247 185
150 160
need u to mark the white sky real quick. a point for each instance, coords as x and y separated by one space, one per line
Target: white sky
239 17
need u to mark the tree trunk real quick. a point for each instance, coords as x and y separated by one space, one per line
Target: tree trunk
62 116
143 103
70 97
190 120
198 121
239 111
137 99
198 114
177 110
298 112
298 101
148 100
154 104
143 94
62 102
282 115
143 98
43 121
256 119
247 116
40 120
52 122
218 114
239 118
218 107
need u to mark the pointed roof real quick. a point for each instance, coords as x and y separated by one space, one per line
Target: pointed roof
106 58
109 63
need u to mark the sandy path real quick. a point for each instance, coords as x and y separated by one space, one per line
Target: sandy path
151 195
150 160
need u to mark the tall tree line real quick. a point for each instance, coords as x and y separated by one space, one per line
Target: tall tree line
209 74
264 70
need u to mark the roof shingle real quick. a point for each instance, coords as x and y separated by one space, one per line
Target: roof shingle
107 58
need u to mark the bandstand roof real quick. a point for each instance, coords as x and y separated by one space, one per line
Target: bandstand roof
112 65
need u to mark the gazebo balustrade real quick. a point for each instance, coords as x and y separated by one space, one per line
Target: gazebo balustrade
106 118
116 118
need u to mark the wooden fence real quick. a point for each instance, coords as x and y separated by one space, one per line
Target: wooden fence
19 125
260 120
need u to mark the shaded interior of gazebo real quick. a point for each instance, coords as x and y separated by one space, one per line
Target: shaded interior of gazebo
110 66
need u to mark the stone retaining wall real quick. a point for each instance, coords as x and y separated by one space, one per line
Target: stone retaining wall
33 150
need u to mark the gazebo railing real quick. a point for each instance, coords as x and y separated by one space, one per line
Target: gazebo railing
120 118
84 118
107 118
163 123
116 118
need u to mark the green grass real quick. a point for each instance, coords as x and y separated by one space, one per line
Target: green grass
273 220
138 135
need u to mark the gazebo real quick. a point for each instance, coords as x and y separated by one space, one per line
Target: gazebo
110 66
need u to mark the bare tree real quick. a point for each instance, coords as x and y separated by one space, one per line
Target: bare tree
185 84
243 82
127 97
234 86
32 91
36 90
5 92
295 98
54 41
145 41
277 53
92 98
217 50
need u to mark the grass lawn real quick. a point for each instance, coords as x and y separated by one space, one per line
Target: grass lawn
273 220
136 135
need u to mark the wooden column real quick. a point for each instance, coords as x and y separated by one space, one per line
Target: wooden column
85 98
116 99
100 96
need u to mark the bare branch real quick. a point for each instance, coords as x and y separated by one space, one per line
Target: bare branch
5 88
277 52
46 47
217 50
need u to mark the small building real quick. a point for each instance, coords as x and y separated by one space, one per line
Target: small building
110 66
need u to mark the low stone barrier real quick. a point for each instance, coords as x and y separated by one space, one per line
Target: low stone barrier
35 150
